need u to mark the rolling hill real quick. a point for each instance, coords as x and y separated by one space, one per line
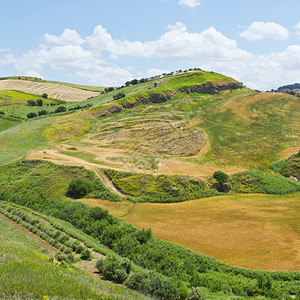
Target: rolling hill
56 90
161 139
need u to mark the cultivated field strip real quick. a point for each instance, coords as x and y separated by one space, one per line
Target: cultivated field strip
53 90
71 247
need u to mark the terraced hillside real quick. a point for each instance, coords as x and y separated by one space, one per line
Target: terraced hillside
192 123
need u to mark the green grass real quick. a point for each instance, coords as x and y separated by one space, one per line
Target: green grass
161 188
18 97
194 78
7 122
19 140
241 142
33 177
21 110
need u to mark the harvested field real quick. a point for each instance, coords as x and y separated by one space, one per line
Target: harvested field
253 231
56 91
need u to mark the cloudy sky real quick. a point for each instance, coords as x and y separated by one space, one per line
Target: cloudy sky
101 42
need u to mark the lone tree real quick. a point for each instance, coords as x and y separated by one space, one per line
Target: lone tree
78 188
45 95
222 178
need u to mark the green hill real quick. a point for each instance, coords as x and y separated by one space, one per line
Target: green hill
156 139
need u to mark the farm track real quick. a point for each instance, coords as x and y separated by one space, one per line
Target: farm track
107 182
53 90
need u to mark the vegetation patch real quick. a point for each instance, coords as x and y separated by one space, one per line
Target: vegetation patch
161 188
263 182
34 177
27 271
288 167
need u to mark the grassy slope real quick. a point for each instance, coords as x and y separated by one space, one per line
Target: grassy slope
27 271
45 179
244 128
19 140
14 103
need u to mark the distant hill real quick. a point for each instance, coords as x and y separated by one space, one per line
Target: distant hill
54 89
289 87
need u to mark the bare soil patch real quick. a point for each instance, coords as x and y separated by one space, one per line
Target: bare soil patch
53 90
290 151
252 231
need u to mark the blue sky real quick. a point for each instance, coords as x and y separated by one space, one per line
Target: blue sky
109 42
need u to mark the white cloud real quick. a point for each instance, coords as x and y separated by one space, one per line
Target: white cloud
5 50
33 73
73 59
297 28
209 49
176 44
68 37
189 3
262 30
155 72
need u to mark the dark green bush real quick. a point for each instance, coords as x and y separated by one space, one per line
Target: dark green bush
31 115
78 188
113 269
86 254
220 177
60 109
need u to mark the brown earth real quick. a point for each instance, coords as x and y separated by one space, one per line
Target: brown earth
251 231
290 151
53 90
103 155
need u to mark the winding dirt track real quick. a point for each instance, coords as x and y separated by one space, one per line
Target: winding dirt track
56 91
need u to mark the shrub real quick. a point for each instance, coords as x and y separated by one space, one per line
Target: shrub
119 96
86 254
39 102
42 112
31 102
60 109
113 269
196 294
220 177
154 284
31 115
78 188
